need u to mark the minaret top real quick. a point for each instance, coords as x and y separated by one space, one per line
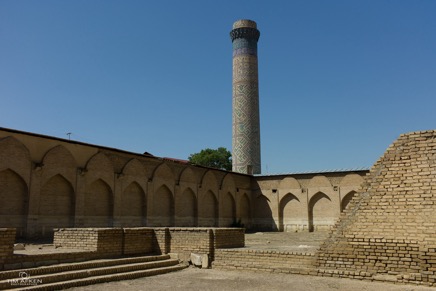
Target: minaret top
244 23
245 28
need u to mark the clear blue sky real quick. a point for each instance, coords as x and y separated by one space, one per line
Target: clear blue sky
339 80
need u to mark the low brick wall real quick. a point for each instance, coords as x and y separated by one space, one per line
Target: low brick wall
384 259
76 238
110 241
185 241
95 243
161 240
137 241
265 261
229 238
143 240
105 241
7 240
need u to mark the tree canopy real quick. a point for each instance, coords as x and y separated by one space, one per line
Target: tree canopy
220 158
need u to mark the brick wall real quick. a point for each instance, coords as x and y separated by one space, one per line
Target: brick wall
265 260
143 240
110 241
36 168
161 240
185 241
389 227
7 240
106 241
138 240
76 238
229 238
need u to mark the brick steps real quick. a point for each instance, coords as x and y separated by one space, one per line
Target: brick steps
13 274
99 271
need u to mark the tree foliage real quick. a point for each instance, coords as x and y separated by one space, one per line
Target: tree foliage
220 158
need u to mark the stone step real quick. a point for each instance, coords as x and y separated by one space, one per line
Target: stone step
15 274
80 274
104 278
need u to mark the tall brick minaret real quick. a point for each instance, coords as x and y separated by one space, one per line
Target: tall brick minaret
246 125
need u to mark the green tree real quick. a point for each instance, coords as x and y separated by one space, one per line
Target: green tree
220 158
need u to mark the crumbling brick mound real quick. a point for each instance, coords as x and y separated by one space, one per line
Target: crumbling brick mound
389 227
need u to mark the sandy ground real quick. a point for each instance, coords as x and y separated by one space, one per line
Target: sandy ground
218 280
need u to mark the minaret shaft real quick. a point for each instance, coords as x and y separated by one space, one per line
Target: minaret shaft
246 123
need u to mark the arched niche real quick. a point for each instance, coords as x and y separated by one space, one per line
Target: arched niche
163 207
321 212
14 201
347 199
208 210
186 208
133 206
245 211
98 205
291 213
56 205
228 210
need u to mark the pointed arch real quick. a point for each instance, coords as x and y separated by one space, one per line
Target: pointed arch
59 160
245 211
133 205
208 210
56 205
209 182
163 171
290 213
163 207
227 210
319 181
186 209
347 199
188 176
228 183
14 201
351 180
98 205
99 166
15 156
263 214
134 168
289 183
321 212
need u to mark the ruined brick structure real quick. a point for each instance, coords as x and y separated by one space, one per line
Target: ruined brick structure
48 183
389 227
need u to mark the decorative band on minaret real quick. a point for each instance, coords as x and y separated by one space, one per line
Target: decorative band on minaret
246 124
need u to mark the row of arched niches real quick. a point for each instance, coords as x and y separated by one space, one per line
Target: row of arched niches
48 183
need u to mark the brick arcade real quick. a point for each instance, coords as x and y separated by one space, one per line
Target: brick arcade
382 222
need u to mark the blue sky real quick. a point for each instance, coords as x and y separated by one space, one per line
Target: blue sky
339 80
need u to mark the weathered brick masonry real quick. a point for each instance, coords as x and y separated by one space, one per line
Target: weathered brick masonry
389 228
7 239
112 242
106 241
138 240
265 260
48 183
95 243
